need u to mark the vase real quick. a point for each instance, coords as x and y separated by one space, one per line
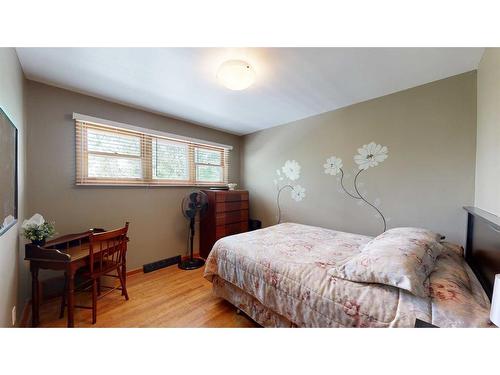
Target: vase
38 242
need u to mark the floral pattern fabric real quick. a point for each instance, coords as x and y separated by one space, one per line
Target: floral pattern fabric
401 257
280 277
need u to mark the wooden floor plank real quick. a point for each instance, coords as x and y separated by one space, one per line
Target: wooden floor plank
169 297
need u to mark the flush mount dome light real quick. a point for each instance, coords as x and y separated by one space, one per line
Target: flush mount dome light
236 74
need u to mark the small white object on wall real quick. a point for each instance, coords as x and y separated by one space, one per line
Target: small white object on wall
495 302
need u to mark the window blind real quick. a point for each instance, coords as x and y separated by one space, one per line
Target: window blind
110 155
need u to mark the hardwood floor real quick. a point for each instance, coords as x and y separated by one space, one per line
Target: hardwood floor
168 297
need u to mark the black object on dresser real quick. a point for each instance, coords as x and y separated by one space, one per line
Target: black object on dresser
227 215
254 224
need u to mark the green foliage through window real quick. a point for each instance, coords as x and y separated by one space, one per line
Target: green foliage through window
109 155
170 160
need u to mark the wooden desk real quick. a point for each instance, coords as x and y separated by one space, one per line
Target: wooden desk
68 253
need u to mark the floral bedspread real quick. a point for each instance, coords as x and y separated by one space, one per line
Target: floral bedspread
279 277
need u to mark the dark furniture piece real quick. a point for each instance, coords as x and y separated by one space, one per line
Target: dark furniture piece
106 256
227 215
69 254
482 249
254 224
421 324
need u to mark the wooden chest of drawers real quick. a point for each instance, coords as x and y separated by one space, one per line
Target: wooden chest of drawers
227 214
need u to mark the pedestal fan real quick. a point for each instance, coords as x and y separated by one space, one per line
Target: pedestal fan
193 204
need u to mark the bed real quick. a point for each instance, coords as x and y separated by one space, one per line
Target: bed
281 276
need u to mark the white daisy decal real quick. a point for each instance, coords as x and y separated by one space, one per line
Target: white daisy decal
280 177
333 165
291 169
298 193
370 155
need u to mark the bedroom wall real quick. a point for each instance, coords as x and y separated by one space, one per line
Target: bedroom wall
12 102
430 132
488 132
157 228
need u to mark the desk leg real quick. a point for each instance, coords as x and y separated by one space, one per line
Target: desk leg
35 297
65 296
71 299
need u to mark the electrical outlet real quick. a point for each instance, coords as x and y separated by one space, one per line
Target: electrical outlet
14 315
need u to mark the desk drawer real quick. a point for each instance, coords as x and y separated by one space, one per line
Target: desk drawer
224 218
231 196
230 229
231 206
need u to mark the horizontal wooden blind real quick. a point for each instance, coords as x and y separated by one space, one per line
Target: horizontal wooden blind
107 155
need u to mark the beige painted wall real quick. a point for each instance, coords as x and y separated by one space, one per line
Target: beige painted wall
12 102
157 230
429 175
488 132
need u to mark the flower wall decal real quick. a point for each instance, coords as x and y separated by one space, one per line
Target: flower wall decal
291 169
284 177
298 193
368 156
333 165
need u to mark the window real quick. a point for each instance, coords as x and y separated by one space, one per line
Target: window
110 155
209 165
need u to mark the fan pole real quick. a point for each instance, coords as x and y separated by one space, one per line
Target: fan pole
190 210
191 240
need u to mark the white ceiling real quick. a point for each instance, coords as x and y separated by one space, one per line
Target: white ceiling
292 83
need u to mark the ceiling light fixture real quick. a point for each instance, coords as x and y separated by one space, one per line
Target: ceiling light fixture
236 74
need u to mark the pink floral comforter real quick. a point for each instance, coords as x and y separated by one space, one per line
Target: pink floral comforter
283 272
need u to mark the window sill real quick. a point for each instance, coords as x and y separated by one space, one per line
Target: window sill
141 185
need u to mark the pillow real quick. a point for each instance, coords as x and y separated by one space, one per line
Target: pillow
400 257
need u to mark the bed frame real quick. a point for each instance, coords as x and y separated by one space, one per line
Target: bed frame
482 249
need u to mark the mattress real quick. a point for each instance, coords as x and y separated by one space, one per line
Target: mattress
279 277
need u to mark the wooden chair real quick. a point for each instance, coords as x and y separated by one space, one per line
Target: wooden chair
107 251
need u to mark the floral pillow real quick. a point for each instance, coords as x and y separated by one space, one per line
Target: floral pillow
400 257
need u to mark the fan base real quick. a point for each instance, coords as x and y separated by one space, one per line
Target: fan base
191 264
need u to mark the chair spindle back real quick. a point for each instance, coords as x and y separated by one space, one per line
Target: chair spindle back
108 248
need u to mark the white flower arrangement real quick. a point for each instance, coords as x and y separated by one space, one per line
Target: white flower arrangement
35 220
369 156
37 230
285 176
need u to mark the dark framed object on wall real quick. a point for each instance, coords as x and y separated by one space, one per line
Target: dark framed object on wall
8 173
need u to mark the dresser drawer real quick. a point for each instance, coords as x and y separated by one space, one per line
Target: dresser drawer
230 229
224 218
231 206
227 214
231 196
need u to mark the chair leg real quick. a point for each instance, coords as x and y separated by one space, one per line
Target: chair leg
94 301
63 299
122 283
